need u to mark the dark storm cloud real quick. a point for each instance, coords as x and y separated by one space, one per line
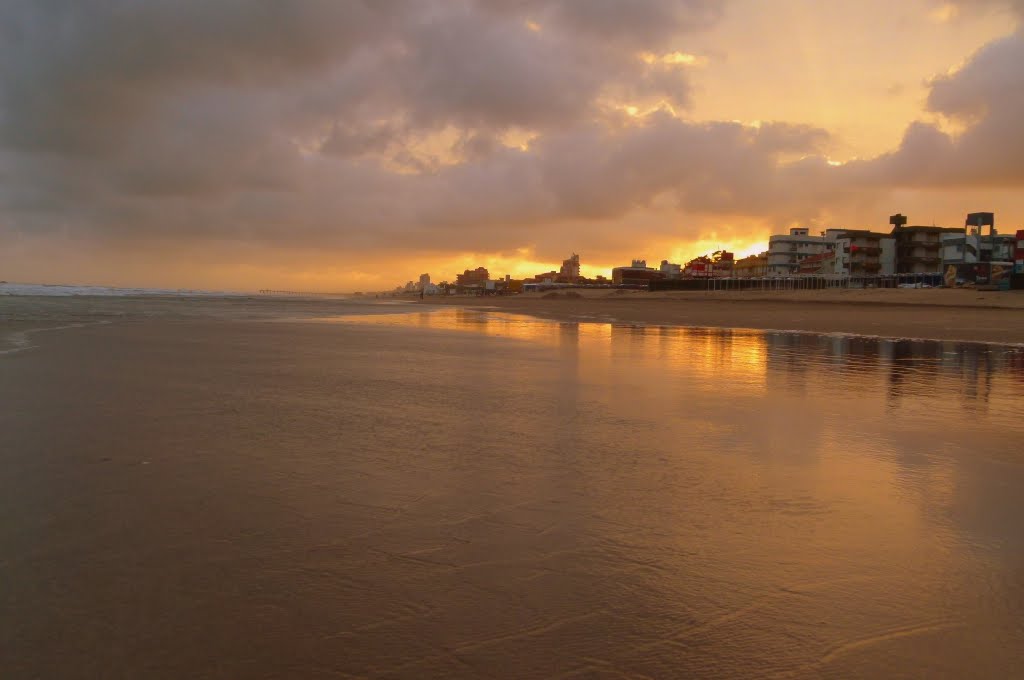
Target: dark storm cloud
590 171
304 119
643 24
74 72
459 69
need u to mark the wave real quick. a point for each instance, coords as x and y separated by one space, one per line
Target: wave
19 341
57 290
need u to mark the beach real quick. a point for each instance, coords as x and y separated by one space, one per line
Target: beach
941 314
262 488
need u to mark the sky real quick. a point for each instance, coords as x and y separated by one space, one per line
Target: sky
318 145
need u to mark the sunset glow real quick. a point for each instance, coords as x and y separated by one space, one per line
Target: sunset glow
361 147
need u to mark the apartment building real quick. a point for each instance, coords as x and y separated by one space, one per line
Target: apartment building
751 266
786 252
918 248
959 247
864 253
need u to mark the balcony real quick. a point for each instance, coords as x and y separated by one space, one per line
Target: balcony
917 251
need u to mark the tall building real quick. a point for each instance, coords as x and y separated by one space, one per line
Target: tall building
424 281
571 268
472 278
918 248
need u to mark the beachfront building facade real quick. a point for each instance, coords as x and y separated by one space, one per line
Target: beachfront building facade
567 274
636 274
964 248
787 251
671 270
820 264
717 264
751 266
919 248
699 267
722 262
859 252
472 280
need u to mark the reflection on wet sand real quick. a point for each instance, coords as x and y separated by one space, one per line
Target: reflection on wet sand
473 494
746 359
839 486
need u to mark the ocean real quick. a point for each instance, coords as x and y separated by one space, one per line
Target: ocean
249 488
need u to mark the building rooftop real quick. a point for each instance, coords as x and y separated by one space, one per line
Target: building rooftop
864 232
932 228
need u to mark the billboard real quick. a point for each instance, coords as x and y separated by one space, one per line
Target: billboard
979 273
949 277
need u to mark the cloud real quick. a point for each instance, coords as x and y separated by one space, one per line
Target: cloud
986 98
307 119
425 125
946 10
634 24
75 73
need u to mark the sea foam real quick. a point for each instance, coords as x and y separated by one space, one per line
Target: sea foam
48 290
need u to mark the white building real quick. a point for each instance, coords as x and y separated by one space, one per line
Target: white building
671 270
786 252
965 248
836 253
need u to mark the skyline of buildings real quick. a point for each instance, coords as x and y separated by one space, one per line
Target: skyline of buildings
834 253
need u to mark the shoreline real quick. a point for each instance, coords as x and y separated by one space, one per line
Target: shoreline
921 314
917 314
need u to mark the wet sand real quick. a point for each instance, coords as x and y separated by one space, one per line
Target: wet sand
204 489
939 314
